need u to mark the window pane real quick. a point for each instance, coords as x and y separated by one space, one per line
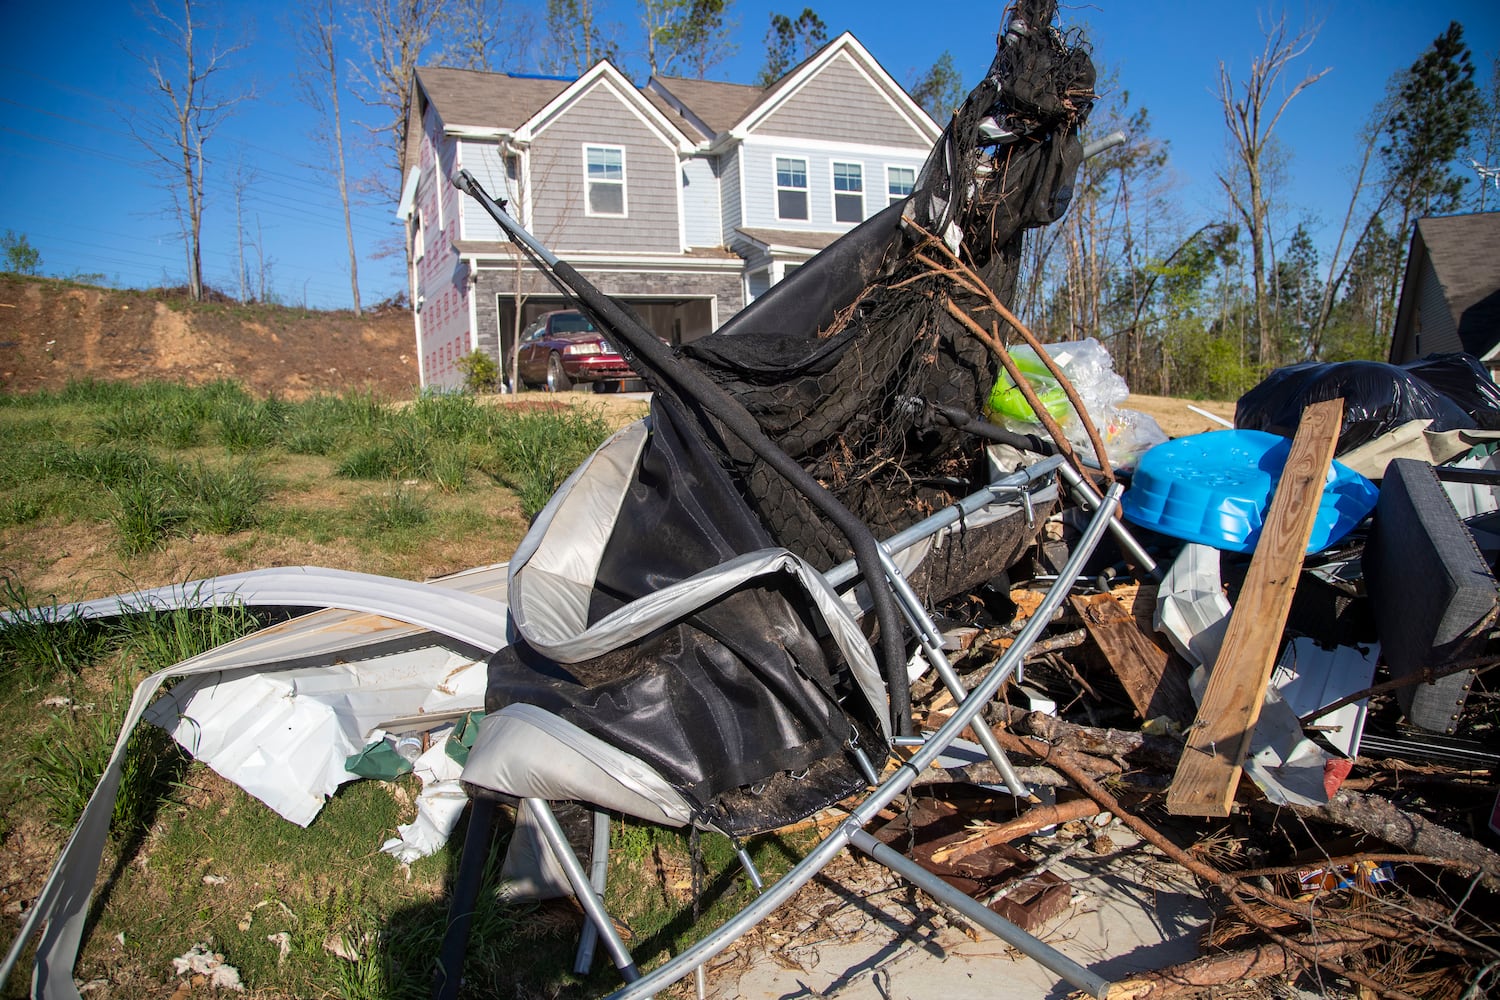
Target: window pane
849 207
791 173
606 164
791 204
606 198
848 177
901 180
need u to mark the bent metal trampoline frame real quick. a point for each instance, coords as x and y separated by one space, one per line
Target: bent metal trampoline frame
588 886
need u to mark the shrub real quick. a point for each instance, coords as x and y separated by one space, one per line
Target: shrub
481 372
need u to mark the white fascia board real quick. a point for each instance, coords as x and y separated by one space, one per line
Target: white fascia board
604 72
408 194
887 153
656 87
488 132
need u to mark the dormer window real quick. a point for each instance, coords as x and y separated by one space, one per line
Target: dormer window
604 180
848 192
791 189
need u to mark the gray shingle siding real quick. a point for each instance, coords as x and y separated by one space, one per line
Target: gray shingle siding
557 178
840 104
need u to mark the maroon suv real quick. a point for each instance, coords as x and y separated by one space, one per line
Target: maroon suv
563 347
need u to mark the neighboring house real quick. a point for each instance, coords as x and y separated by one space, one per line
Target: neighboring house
1450 296
685 198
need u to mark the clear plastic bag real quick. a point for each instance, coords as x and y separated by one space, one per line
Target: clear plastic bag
1127 434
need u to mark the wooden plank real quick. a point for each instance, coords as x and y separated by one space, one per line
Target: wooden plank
1154 678
1209 770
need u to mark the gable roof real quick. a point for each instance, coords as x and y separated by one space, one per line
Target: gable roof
783 89
718 106
498 100
1464 251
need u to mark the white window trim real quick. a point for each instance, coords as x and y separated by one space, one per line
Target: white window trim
588 205
833 166
806 189
890 197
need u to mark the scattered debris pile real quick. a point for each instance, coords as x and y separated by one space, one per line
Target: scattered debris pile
1326 630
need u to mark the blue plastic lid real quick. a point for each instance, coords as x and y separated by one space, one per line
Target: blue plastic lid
1215 488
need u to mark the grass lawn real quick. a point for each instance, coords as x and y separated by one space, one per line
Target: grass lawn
110 487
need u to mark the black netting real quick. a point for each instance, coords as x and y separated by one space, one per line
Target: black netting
839 362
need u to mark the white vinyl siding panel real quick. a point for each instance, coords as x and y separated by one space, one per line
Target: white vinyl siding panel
700 203
600 118
760 184
729 185
485 161
842 104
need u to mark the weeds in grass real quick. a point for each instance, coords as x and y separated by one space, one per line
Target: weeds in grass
69 757
533 453
36 640
245 425
144 513
155 638
223 501
397 510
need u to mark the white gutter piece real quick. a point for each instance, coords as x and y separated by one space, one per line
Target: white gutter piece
478 621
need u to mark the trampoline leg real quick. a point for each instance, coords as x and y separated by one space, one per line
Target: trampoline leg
466 886
592 905
598 872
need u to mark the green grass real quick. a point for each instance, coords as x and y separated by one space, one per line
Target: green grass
130 478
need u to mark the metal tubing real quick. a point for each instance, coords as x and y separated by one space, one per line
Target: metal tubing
598 872
592 905
751 872
466 885
1083 491
976 501
1040 951
804 871
931 642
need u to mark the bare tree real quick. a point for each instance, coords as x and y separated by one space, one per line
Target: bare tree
488 34
1251 111
394 34
575 38
244 178
317 37
188 110
694 31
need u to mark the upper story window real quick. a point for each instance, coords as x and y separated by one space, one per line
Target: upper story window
604 179
899 182
791 188
848 192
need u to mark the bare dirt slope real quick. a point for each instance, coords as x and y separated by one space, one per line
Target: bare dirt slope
51 332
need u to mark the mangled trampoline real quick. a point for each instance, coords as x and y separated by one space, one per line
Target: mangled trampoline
712 620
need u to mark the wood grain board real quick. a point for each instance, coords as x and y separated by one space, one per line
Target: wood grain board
1218 740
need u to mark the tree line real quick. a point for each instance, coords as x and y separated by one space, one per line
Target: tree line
1203 312
1211 311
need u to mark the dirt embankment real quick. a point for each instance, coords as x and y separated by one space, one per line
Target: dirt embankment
52 332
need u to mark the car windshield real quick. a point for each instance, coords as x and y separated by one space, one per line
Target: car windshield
571 323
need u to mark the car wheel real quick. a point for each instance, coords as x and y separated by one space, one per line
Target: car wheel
557 379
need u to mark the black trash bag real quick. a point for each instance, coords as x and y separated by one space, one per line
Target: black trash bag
1451 390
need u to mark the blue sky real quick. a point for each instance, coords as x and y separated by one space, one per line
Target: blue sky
78 186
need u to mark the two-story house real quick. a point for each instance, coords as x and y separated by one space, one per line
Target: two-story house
685 198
